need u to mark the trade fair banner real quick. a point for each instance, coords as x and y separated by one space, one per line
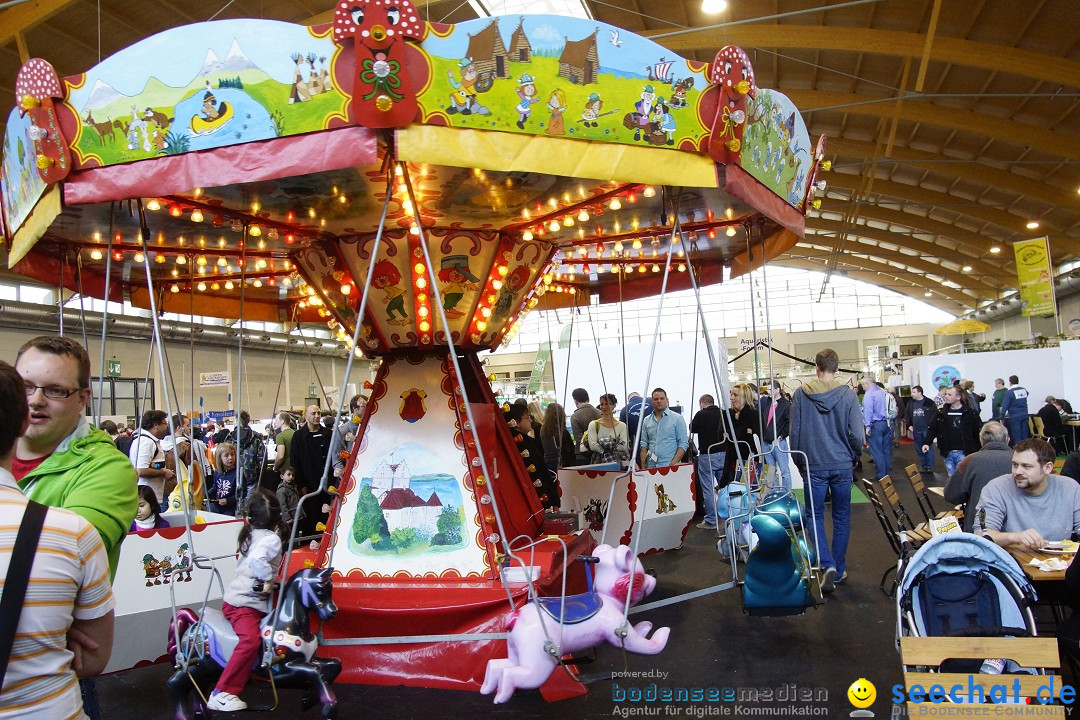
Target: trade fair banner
1036 277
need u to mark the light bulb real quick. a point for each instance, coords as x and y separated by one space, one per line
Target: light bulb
712 7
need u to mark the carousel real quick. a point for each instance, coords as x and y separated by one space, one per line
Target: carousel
418 188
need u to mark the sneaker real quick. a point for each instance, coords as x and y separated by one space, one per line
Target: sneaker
841 579
706 525
225 702
828 581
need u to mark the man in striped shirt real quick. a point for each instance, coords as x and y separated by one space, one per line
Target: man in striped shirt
68 590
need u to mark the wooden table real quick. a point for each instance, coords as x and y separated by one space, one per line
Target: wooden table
1024 557
939 491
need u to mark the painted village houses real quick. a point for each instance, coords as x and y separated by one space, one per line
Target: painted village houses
488 52
520 47
580 61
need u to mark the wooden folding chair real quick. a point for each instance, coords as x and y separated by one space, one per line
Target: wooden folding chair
891 533
922 495
891 496
922 657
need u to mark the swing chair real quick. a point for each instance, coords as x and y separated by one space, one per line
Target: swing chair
421 237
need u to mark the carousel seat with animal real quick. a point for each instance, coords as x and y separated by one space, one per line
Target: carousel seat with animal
773 581
202 646
537 639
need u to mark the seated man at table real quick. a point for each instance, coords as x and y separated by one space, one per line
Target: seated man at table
1032 506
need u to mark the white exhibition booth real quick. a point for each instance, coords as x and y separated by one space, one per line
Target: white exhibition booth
1043 371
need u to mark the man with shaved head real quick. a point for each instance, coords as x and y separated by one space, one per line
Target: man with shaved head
310 445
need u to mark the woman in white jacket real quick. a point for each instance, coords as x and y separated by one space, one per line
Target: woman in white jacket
607 436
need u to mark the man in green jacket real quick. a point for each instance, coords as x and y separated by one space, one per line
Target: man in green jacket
62 461
999 397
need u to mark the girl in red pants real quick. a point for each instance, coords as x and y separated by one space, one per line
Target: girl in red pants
247 599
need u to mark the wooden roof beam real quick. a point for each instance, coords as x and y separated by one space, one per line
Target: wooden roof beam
922 111
23 17
913 290
975 171
986 56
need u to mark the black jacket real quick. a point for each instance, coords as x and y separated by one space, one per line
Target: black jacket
746 429
929 409
970 424
781 424
708 425
1052 425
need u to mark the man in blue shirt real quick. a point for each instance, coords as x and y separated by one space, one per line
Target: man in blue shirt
878 427
664 438
1014 410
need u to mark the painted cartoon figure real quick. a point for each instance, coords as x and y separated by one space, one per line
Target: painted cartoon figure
678 92
527 93
592 110
138 125
556 105
151 569
664 503
732 72
210 111
463 99
597 617
643 110
387 278
457 277
182 569
383 94
412 405
513 282
666 123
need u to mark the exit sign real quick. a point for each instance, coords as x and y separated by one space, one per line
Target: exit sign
114 368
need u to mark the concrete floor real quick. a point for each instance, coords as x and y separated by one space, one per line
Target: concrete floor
713 644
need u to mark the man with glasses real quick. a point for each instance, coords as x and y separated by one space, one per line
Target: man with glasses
62 461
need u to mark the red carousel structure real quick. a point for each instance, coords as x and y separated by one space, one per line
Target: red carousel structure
418 188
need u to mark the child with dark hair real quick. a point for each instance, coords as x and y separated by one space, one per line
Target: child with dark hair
148 517
247 599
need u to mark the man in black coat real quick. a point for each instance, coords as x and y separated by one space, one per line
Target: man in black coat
918 414
310 446
956 429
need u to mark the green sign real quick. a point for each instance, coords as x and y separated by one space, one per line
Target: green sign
311 389
114 368
540 364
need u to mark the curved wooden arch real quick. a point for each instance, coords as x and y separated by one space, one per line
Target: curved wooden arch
986 56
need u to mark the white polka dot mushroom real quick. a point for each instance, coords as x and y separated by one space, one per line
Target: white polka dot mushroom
36 81
359 18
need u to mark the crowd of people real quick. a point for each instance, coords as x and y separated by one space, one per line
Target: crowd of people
77 490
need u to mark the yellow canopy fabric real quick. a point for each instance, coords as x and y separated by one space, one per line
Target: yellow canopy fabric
459 147
962 326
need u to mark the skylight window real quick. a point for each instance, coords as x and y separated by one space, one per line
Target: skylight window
568 8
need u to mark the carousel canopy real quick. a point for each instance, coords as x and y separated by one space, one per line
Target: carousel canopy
249 168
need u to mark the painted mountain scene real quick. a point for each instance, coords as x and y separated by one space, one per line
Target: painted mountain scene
231 82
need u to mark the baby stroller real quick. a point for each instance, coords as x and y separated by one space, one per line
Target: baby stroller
962 585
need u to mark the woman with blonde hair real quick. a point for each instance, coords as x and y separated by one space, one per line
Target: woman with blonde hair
745 415
536 413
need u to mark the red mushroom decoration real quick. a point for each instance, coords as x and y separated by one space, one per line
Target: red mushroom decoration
383 96
732 72
35 87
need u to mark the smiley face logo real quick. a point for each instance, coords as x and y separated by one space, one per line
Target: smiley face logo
862 693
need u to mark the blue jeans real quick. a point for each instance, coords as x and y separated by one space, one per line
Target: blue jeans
710 468
926 459
839 481
777 454
1018 428
881 447
952 459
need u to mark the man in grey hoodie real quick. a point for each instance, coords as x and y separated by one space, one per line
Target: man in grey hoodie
827 425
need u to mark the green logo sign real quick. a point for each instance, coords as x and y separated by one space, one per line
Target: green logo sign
114 368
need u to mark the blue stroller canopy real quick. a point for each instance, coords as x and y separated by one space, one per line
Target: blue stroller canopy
963 554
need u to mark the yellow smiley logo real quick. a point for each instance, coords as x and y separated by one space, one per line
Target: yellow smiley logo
862 693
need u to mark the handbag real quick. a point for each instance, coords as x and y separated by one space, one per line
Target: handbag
18 577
